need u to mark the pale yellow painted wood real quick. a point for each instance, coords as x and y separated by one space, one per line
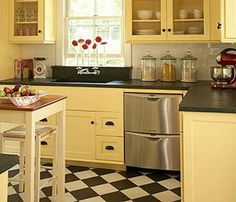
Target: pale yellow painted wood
80 135
46 23
215 18
109 148
228 31
209 157
4 186
109 124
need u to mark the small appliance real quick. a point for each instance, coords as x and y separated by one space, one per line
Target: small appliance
39 67
224 76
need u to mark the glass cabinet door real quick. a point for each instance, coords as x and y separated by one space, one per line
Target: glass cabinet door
147 19
25 18
188 20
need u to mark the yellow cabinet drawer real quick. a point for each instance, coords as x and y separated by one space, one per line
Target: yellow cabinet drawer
109 148
109 124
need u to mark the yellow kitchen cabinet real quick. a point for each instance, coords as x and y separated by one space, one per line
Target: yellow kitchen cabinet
228 30
80 135
32 21
180 20
209 157
92 113
215 20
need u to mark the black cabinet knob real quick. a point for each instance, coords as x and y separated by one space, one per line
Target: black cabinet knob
109 123
92 122
163 30
109 147
169 30
44 120
39 31
219 25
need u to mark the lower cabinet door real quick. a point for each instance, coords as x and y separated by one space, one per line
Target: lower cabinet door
109 148
80 135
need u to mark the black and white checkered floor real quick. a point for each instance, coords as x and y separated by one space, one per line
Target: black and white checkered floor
94 184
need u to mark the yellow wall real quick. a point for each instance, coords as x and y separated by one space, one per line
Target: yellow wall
8 52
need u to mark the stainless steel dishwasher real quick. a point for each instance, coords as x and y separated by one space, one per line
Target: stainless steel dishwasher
152 131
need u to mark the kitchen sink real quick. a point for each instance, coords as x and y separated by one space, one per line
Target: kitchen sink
84 80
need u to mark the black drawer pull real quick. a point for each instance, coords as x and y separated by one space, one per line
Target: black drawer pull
92 122
109 147
44 120
109 123
44 143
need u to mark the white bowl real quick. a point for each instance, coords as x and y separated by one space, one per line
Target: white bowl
144 14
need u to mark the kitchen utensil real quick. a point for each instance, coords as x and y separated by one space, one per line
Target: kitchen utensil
148 67
188 68
168 67
144 14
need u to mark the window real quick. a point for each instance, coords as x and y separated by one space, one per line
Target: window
87 19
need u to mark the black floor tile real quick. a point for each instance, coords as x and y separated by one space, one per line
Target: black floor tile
177 191
45 200
71 177
75 169
158 176
115 197
47 191
14 198
123 184
153 188
45 174
101 171
146 199
94 181
12 173
129 173
84 193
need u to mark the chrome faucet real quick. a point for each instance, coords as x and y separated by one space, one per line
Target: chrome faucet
86 71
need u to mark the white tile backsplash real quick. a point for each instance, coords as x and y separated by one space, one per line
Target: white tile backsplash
206 54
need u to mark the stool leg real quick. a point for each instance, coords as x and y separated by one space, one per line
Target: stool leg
22 166
1 143
37 168
54 157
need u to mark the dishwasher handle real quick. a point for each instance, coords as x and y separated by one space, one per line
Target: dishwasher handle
152 136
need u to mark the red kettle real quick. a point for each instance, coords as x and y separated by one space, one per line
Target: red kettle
225 58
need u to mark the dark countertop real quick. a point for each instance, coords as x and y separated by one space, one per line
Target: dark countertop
113 84
199 98
7 161
205 99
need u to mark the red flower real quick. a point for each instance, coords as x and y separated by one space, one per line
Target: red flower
98 39
94 46
88 42
85 46
74 43
104 43
81 40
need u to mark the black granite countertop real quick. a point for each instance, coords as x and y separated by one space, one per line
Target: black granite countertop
200 96
7 161
205 99
135 83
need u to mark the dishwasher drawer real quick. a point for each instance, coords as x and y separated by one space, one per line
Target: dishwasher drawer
152 151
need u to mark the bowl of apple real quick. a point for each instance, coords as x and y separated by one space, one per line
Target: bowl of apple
20 95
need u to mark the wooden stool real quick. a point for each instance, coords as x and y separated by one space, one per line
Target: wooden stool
41 133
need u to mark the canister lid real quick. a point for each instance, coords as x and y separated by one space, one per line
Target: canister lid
168 56
188 56
148 56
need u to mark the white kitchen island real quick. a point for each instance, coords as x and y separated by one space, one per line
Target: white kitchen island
29 115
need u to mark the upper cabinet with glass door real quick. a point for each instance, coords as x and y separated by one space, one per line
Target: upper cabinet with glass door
32 21
175 20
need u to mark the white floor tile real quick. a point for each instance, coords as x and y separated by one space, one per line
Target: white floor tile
167 196
113 177
170 183
85 174
75 185
141 180
104 189
135 192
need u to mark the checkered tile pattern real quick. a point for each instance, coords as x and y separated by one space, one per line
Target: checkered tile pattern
95 184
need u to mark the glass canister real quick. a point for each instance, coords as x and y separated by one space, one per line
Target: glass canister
168 67
148 68
188 68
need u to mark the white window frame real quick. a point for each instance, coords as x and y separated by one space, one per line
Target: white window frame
62 36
